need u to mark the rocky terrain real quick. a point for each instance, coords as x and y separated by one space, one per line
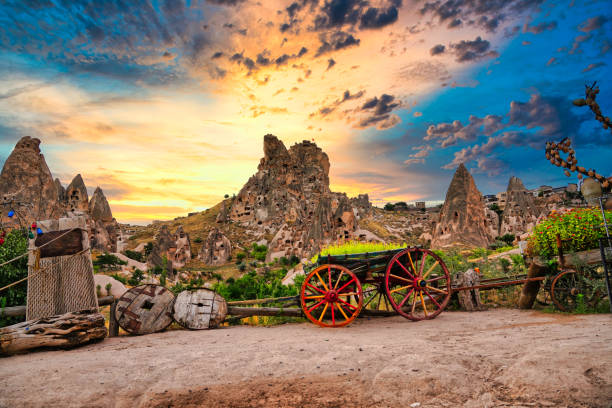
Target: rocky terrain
27 187
497 358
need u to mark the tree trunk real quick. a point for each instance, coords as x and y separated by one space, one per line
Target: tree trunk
62 331
531 289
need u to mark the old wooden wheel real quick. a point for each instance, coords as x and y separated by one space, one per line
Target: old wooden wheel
145 309
570 288
417 284
199 309
327 296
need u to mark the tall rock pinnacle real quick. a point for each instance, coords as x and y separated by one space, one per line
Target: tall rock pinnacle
462 219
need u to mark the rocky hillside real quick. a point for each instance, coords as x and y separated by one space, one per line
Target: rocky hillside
27 187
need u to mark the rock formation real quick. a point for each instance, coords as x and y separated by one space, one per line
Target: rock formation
361 203
61 191
104 228
289 198
183 248
521 211
76 195
25 178
462 220
216 250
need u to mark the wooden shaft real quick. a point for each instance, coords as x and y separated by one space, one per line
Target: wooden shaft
295 312
13 311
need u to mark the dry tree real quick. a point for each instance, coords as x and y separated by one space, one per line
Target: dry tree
554 150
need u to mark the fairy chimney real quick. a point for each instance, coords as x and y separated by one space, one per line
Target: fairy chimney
462 220
26 178
521 212
76 195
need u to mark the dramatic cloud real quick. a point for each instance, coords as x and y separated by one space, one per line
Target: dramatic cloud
472 50
437 49
485 14
335 41
419 156
538 120
346 96
539 28
379 112
335 14
594 23
593 66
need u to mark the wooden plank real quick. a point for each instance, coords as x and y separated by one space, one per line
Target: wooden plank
145 309
13 311
62 331
69 244
113 326
199 309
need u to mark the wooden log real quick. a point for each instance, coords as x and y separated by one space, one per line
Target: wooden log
69 244
263 311
530 289
113 326
13 311
62 331
145 309
293 312
199 309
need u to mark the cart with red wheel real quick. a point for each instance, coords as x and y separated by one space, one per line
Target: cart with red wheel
413 282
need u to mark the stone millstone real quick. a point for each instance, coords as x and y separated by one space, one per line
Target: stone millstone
199 309
145 309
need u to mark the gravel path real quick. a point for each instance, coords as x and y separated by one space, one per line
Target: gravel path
493 358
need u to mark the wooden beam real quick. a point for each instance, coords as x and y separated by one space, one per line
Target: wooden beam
69 244
13 311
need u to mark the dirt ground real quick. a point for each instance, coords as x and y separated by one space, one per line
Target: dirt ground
497 358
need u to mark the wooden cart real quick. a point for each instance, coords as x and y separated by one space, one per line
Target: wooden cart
412 282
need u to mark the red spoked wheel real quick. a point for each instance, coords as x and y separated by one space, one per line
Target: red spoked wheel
417 284
331 296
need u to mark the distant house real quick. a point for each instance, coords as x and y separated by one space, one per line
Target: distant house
490 198
501 199
419 204
572 188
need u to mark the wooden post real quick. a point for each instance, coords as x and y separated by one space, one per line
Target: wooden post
531 288
113 326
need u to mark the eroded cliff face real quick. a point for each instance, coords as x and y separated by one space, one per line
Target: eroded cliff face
26 178
462 220
521 212
289 201
27 181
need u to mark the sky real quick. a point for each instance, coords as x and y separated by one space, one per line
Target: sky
164 104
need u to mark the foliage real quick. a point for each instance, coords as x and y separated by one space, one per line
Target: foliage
137 256
107 261
108 288
507 238
15 244
240 256
198 240
389 207
579 229
505 264
242 267
164 272
148 248
193 283
137 277
356 247
120 278
495 207
254 286
259 252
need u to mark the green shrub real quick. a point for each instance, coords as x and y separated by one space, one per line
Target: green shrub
148 248
107 261
241 267
259 252
580 229
120 278
15 244
389 207
137 277
240 256
505 264
254 286
137 256
198 240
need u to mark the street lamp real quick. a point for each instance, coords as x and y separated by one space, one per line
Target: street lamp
592 192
